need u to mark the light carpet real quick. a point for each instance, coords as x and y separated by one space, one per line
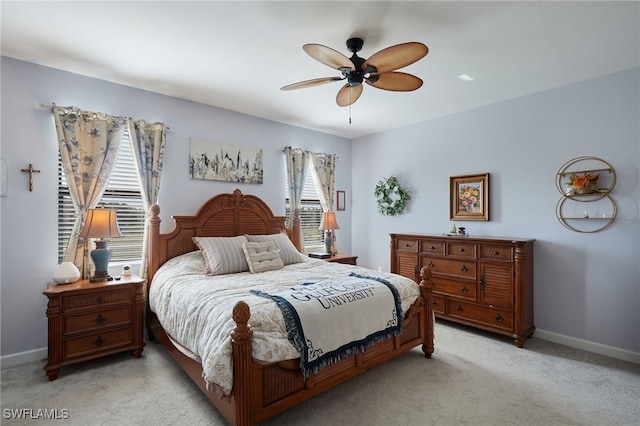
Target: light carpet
474 378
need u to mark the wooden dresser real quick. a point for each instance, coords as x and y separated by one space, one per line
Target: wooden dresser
89 320
483 282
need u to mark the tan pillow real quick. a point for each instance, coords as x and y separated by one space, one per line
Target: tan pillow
262 257
223 255
288 252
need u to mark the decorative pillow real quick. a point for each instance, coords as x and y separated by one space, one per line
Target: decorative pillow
262 257
288 252
223 255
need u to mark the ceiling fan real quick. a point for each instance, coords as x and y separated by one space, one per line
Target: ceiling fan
377 71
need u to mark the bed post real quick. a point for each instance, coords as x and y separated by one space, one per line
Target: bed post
241 341
426 287
154 233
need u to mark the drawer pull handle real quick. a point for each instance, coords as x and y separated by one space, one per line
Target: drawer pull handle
461 250
464 289
99 341
434 303
99 300
99 319
464 268
482 282
459 308
498 318
432 248
496 253
407 245
430 264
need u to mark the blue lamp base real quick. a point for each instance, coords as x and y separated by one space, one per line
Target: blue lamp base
100 257
328 243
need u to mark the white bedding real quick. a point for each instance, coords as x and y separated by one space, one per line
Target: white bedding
195 309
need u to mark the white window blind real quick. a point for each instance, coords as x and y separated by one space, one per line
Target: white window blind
123 193
310 212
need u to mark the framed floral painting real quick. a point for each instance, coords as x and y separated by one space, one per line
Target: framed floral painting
469 197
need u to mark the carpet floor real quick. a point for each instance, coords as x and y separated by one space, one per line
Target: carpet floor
474 378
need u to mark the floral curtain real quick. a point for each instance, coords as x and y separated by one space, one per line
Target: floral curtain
148 141
296 164
323 167
89 143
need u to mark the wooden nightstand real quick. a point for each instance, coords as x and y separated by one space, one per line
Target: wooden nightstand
343 258
91 320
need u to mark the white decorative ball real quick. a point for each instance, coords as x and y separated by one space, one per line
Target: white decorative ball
66 273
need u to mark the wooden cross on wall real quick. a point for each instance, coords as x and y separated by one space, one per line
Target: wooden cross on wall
31 171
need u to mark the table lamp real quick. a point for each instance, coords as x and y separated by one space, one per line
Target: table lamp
100 224
328 224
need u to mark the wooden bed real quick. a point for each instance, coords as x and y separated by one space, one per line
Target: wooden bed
262 391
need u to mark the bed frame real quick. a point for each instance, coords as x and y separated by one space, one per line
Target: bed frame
262 390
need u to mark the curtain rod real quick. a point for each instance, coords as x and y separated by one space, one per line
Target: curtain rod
285 147
53 105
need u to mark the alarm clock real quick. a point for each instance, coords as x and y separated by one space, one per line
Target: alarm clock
126 271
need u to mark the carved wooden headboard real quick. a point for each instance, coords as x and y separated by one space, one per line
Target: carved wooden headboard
224 215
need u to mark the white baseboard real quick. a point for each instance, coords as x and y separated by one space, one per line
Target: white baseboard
24 357
588 346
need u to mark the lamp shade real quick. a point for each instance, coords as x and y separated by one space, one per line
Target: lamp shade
329 222
100 223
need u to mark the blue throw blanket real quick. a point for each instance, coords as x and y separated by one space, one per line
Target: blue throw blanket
333 319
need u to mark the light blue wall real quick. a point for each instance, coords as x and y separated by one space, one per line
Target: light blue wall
28 219
587 286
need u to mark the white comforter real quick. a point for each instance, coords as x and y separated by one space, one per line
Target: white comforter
195 310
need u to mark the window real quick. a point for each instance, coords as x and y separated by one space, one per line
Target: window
310 212
123 193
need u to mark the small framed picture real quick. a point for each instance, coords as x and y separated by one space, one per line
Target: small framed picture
340 200
469 197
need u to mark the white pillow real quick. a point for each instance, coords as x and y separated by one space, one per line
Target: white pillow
288 252
262 257
223 255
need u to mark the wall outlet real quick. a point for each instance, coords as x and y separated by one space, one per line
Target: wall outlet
379 268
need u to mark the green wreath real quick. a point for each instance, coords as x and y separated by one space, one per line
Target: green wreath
392 198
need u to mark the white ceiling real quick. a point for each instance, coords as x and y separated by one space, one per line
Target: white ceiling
237 55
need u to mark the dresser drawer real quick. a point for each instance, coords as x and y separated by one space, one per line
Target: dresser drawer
496 318
463 289
497 252
457 268
97 320
461 249
98 342
97 299
437 304
432 247
408 245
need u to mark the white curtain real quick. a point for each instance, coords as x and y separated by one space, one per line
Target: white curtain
296 163
148 141
89 143
323 167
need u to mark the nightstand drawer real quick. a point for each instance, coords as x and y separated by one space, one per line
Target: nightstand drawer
96 320
98 342
97 299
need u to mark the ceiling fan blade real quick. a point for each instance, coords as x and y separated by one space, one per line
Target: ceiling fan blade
348 94
398 56
328 56
310 83
396 82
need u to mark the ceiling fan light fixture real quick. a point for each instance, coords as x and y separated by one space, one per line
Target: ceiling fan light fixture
378 71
